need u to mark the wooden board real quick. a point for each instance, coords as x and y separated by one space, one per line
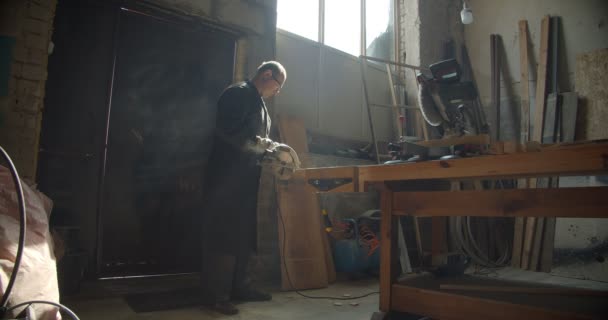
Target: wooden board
303 259
537 242
526 290
587 202
528 242
293 133
546 255
518 232
524 80
591 77
541 84
560 160
447 306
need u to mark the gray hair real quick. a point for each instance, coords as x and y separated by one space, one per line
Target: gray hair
273 66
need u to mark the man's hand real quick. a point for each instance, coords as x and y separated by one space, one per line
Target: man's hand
265 143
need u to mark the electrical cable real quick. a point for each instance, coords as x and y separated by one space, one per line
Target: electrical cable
58 305
280 214
21 245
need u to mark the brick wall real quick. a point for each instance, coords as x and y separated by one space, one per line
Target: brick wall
30 22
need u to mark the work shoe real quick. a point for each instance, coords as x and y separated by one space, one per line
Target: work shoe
252 295
224 307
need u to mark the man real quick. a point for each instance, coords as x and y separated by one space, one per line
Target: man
231 188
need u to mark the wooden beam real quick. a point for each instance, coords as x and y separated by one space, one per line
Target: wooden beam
388 236
527 290
563 161
328 173
448 306
587 202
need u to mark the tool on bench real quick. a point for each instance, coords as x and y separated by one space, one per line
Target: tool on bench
448 103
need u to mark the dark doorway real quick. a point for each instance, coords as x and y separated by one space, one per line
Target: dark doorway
148 93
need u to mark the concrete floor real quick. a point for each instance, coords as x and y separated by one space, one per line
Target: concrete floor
103 301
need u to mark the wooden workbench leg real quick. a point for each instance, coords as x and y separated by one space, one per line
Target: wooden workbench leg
388 252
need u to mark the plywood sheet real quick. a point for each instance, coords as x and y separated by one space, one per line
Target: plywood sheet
591 77
303 257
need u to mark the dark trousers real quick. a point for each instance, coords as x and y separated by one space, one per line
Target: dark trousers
229 233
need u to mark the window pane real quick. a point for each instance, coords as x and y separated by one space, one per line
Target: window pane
343 25
299 17
379 23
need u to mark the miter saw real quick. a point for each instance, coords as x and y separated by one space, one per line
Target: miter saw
279 157
448 103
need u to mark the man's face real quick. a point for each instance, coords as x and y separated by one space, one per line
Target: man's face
272 84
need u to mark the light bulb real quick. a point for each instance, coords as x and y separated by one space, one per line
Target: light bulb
466 15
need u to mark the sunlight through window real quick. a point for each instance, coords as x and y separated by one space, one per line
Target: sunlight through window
299 17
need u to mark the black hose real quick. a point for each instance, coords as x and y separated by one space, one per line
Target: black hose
22 223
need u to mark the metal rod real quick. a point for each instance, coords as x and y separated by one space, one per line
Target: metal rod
392 106
363 64
394 63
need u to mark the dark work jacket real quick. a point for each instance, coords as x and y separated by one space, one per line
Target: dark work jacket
233 173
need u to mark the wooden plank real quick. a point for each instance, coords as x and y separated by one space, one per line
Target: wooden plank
568 119
388 267
524 80
546 257
541 84
328 173
586 202
527 290
528 242
541 90
482 139
448 306
537 242
293 133
518 241
303 264
438 232
495 82
327 252
585 159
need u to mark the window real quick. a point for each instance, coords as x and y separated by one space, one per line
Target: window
300 17
379 24
341 26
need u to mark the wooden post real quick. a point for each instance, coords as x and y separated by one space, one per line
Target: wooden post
388 267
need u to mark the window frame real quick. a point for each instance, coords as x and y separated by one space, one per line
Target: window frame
362 31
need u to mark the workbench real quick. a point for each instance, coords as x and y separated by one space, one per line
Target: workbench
590 158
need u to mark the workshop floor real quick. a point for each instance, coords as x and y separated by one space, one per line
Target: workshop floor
104 300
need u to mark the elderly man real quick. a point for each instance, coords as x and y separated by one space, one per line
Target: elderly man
231 188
